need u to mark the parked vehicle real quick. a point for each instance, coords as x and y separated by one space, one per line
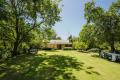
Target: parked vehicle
110 56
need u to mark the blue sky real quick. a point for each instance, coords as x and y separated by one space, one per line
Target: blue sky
73 16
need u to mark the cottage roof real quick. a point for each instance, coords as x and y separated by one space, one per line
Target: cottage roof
59 42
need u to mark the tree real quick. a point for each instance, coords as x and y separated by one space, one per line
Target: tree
58 38
107 23
23 16
78 44
70 38
87 35
75 43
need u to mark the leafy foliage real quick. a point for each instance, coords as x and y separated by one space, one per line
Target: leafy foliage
26 22
107 26
87 35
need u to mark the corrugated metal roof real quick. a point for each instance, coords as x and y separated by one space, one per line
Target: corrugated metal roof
59 42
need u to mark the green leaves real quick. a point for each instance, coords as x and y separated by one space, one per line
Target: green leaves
92 12
106 22
22 19
87 35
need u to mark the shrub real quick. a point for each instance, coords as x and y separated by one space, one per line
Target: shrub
4 53
94 50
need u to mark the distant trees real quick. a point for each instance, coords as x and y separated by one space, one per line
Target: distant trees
70 38
56 37
25 20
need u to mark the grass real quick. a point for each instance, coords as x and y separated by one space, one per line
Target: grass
60 65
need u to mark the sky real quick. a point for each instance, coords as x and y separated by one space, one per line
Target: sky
73 16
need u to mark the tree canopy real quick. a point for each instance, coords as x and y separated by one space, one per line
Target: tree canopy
107 26
21 20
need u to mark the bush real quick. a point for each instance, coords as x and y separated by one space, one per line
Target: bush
94 50
80 45
4 53
23 48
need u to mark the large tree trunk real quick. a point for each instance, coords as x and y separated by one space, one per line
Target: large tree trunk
16 43
112 48
112 45
4 43
15 48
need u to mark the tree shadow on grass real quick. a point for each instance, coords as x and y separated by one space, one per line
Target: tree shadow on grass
41 67
93 72
90 70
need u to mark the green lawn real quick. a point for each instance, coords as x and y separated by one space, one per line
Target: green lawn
60 65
